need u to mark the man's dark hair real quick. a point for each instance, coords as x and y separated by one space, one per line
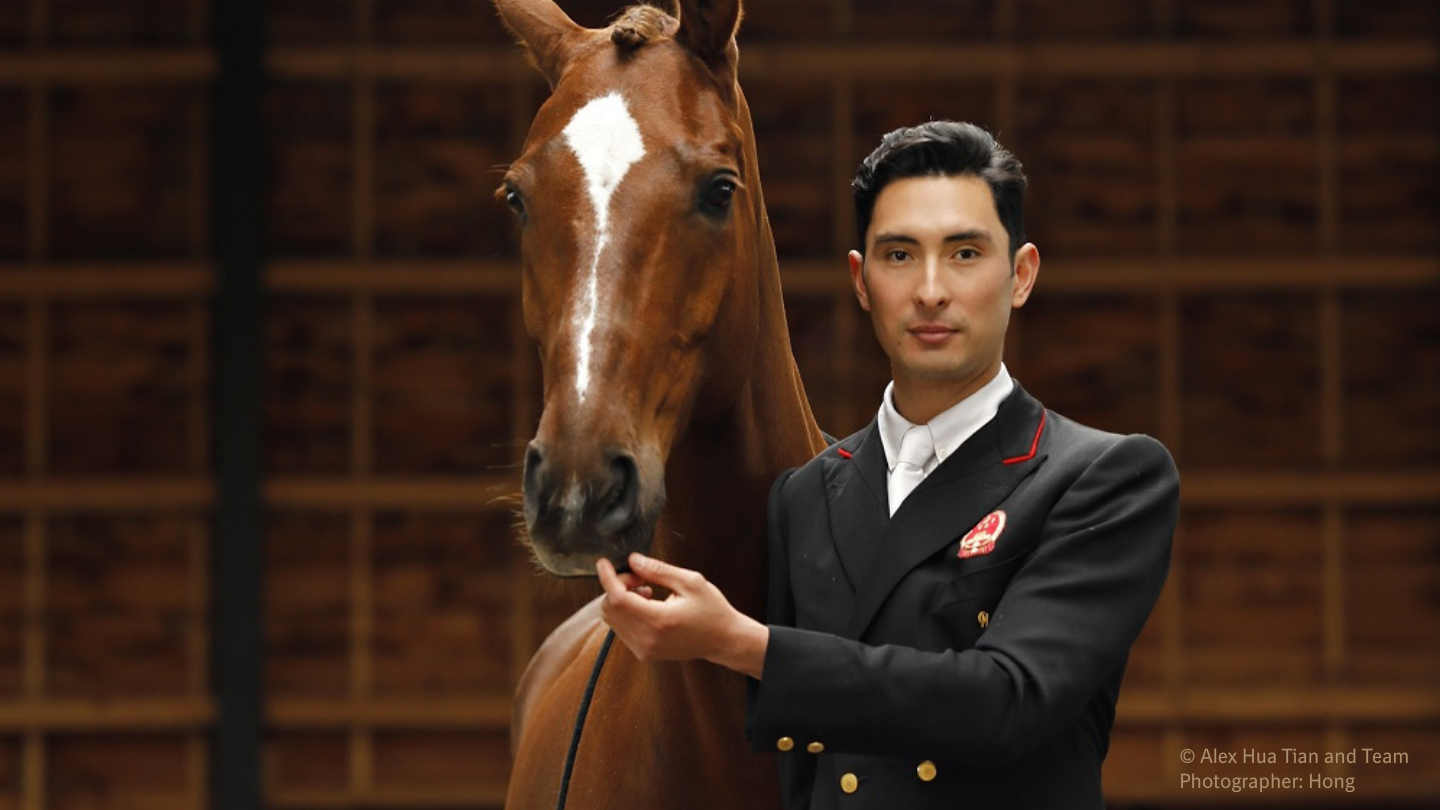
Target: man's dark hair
943 149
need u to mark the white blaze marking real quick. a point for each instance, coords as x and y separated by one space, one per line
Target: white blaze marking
607 141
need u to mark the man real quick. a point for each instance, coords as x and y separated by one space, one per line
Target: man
954 589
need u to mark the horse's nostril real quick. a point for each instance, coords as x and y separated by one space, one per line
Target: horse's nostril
624 492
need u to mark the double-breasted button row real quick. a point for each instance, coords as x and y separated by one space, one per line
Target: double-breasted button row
788 744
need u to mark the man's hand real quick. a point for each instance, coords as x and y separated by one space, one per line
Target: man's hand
694 621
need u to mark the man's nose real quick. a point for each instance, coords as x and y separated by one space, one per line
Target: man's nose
931 292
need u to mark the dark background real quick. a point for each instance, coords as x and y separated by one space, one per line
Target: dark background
1237 203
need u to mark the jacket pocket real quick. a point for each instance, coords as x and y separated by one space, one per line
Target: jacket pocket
981 585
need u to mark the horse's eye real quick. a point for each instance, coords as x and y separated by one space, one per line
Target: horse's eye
717 195
516 203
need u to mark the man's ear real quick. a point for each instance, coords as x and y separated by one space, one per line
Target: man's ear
545 30
1027 269
857 279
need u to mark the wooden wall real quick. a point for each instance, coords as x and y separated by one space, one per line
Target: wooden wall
1237 204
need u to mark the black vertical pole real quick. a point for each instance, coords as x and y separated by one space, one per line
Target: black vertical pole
237 220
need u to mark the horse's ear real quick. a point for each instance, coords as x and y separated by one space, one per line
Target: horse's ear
545 30
707 28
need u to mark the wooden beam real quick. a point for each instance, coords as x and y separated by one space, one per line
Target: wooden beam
485 493
889 61
1235 488
463 712
1286 705
52 715
130 494
108 281
94 67
827 277
439 797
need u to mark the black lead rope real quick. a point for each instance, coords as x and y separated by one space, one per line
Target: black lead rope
580 719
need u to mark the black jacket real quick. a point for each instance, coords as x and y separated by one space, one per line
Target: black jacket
912 663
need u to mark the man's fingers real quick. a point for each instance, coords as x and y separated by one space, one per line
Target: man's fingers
662 573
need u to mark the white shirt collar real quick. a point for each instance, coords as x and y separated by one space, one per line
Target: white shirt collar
951 427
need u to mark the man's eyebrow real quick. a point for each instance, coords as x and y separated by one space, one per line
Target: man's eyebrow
972 235
895 238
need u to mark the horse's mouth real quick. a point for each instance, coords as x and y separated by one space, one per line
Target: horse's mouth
576 556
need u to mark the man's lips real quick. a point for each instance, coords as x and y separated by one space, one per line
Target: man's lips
932 333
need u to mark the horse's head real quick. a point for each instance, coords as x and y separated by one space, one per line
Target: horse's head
641 225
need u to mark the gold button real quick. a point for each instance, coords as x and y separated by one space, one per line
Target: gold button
784 743
926 771
815 747
983 619
849 783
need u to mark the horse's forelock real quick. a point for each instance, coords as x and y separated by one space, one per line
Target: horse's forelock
640 24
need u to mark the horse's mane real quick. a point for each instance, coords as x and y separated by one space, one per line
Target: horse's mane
640 24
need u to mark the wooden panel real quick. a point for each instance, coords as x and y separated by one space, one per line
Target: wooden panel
442 603
117 607
307 603
1093 358
120 392
15 168
120 169
439 21
92 23
881 106
905 20
812 338
1066 21
13 18
12 610
1388 153
1223 19
791 126
1392 580
1395 19
11 768
12 390
791 21
442 385
306 761
310 22
1250 381
1251 584
1417 775
440 150
309 179
1247 177
1391 344
308 385
442 759
1090 147
112 773
1137 757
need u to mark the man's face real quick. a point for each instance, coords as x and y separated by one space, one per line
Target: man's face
937 281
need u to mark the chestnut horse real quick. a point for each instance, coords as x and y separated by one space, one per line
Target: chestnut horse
671 397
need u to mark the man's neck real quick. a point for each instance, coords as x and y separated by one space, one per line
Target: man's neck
920 400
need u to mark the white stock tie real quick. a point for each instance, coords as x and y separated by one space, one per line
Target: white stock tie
916 448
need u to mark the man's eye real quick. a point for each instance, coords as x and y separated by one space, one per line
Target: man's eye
896 255
967 254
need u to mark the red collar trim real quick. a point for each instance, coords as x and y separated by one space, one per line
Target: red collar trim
1034 444
844 453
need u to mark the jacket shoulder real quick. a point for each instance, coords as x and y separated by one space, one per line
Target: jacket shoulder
1082 444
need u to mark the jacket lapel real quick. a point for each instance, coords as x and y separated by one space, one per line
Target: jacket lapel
855 496
974 480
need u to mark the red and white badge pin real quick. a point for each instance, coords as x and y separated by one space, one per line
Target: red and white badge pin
981 539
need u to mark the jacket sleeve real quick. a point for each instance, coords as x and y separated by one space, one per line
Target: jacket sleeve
1065 623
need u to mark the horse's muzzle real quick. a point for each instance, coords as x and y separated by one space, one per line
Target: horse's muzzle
577 516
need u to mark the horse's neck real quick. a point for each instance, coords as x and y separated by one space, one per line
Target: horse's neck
723 466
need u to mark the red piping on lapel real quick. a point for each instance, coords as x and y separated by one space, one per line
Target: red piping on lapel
1033 445
845 453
